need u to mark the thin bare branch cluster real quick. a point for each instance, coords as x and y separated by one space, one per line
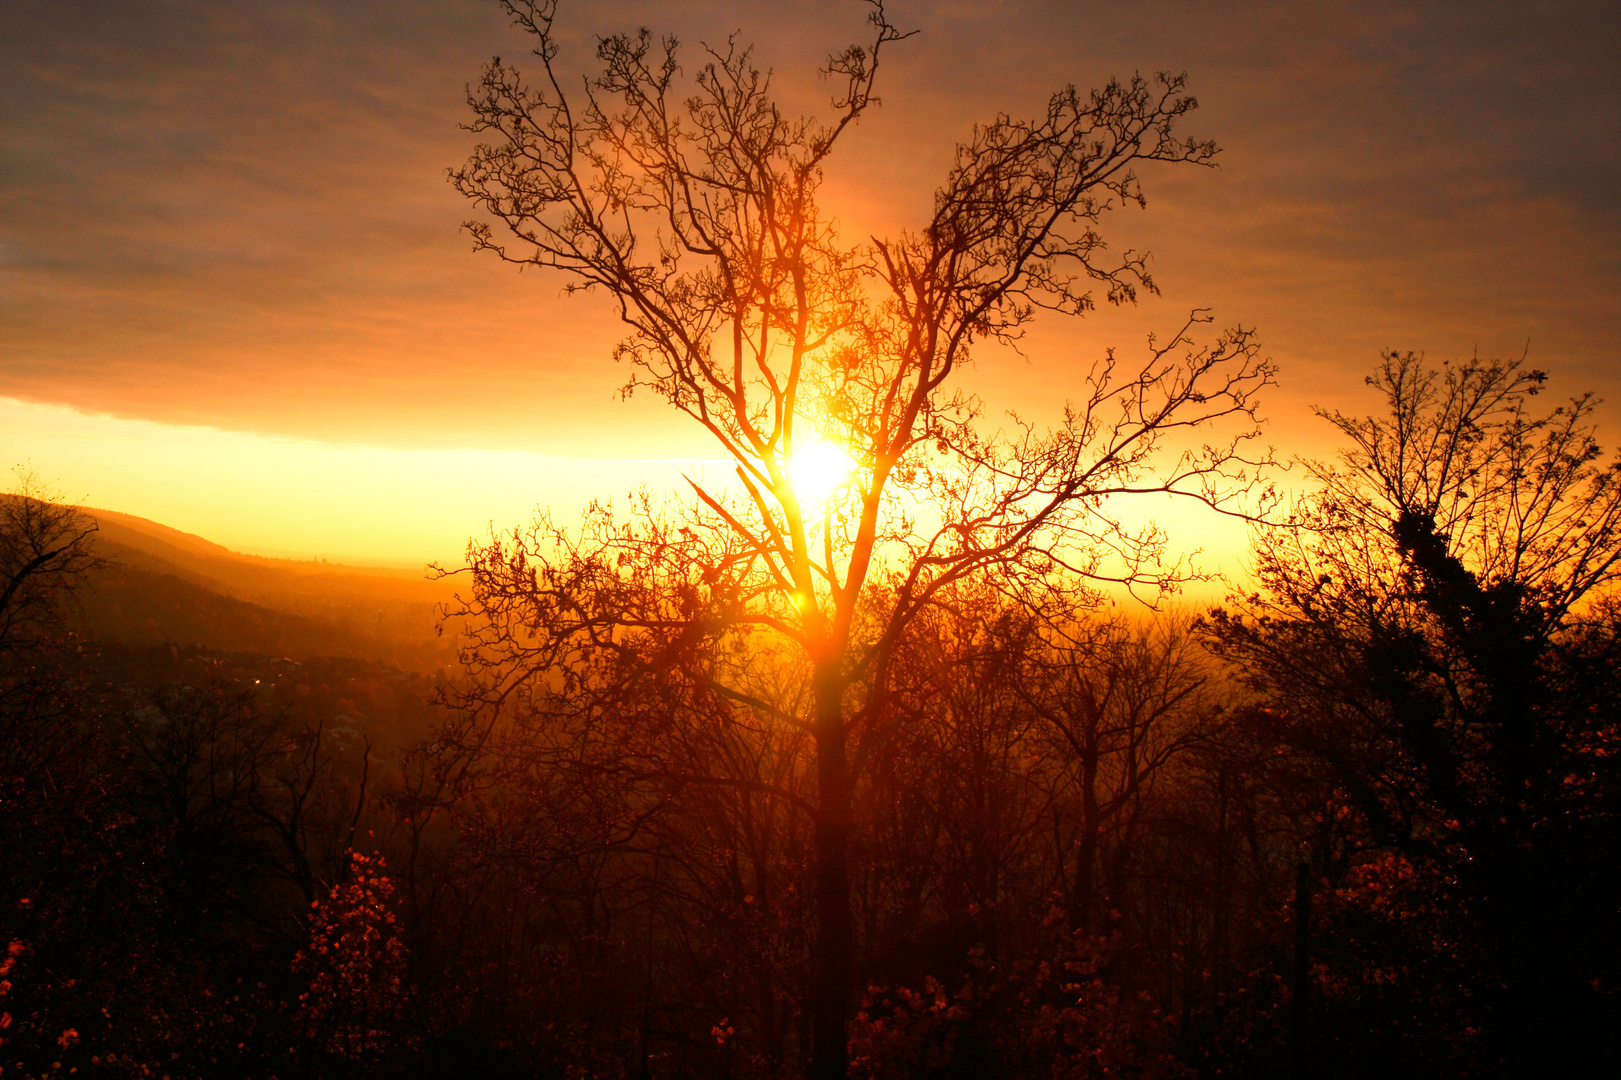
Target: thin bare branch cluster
693 204
1458 471
45 552
699 218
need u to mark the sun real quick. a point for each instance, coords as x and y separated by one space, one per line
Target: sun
817 469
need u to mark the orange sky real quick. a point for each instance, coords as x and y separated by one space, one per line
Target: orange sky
234 298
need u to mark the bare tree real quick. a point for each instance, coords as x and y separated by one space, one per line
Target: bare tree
1119 704
45 552
694 207
1441 632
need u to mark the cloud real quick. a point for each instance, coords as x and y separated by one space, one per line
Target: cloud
235 215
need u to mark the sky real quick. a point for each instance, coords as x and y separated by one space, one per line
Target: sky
235 296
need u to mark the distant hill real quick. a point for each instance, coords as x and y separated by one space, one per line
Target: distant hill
164 586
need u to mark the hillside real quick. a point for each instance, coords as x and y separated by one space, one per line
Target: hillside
164 586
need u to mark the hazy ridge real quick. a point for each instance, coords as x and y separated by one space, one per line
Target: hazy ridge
164 586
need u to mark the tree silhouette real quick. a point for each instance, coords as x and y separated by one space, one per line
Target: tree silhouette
1440 633
697 214
45 555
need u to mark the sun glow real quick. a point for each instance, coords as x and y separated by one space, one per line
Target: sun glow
296 498
817 469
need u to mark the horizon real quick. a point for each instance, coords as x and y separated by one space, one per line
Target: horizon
1385 181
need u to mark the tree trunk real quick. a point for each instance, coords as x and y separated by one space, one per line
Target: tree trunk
834 970
1083 910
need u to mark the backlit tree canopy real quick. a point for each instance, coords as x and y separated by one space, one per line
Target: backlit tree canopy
692 203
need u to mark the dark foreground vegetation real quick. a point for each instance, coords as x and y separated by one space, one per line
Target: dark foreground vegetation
1362 820
860 775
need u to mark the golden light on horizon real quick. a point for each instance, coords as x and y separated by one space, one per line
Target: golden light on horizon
297 498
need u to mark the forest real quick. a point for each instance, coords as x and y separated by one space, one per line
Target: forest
1358 821
900 753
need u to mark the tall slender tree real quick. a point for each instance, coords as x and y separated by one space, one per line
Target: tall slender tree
826 371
